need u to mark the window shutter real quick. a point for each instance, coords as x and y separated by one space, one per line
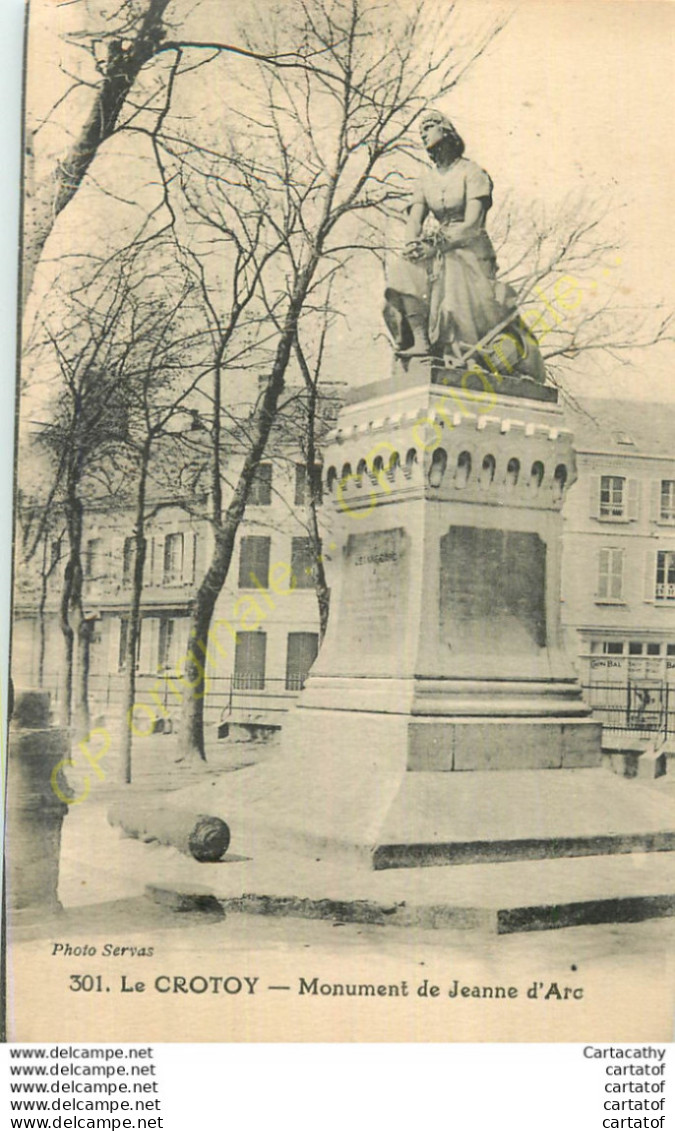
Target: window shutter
148 658
616 575
151 563
655 500
300 484
301 652
181 634
165 558
114 634
187 564
633 487
189 551
254 558
302 563
594 486
603 572
116 569
249 660
650 575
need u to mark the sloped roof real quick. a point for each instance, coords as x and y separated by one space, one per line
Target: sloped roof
609 425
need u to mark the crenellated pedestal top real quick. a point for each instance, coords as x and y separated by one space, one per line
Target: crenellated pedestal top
453 441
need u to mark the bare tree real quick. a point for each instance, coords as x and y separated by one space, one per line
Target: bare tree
167 363
129 61
41 538
317 415
88 420
124 343
316 148
562 262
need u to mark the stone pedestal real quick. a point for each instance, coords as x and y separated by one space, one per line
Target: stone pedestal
442 722
446 604
35 809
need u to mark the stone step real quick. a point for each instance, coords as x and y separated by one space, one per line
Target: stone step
495 898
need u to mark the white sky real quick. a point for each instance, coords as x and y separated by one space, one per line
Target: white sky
572 95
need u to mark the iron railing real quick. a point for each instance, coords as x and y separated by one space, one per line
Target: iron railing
234 698
641 708
644 708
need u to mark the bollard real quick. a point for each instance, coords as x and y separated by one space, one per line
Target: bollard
204 838
34 811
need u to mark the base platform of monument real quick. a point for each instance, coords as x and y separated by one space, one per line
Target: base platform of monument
359 804
539 850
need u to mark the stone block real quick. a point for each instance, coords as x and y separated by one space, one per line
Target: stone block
653 763
507 744
624 763
431 746
581 744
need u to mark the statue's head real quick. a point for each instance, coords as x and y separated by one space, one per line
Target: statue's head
439 136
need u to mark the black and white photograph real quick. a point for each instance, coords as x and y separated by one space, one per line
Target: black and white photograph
342 699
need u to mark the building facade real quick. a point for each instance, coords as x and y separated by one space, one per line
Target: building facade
265 635
618 586
619 557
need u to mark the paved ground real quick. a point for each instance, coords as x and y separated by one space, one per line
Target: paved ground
104 876
627 971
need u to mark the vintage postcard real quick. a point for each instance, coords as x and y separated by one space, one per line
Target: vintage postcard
343 631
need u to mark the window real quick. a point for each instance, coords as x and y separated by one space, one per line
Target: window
301 653
612 647
670 649
167 634
300 484
92 558
667 511
254 562
302 563
612 496
128 555
174 549
260 494
665 575
610 575
249 661
653 649
635 648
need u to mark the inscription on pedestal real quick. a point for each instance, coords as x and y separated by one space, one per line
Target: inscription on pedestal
492 591
376 590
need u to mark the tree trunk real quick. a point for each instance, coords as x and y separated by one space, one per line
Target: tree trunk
68 646
191 742
320 584
81 713
44 202
192 727
41 618
71 611
140 551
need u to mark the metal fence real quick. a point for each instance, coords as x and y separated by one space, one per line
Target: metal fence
643 708
232 698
